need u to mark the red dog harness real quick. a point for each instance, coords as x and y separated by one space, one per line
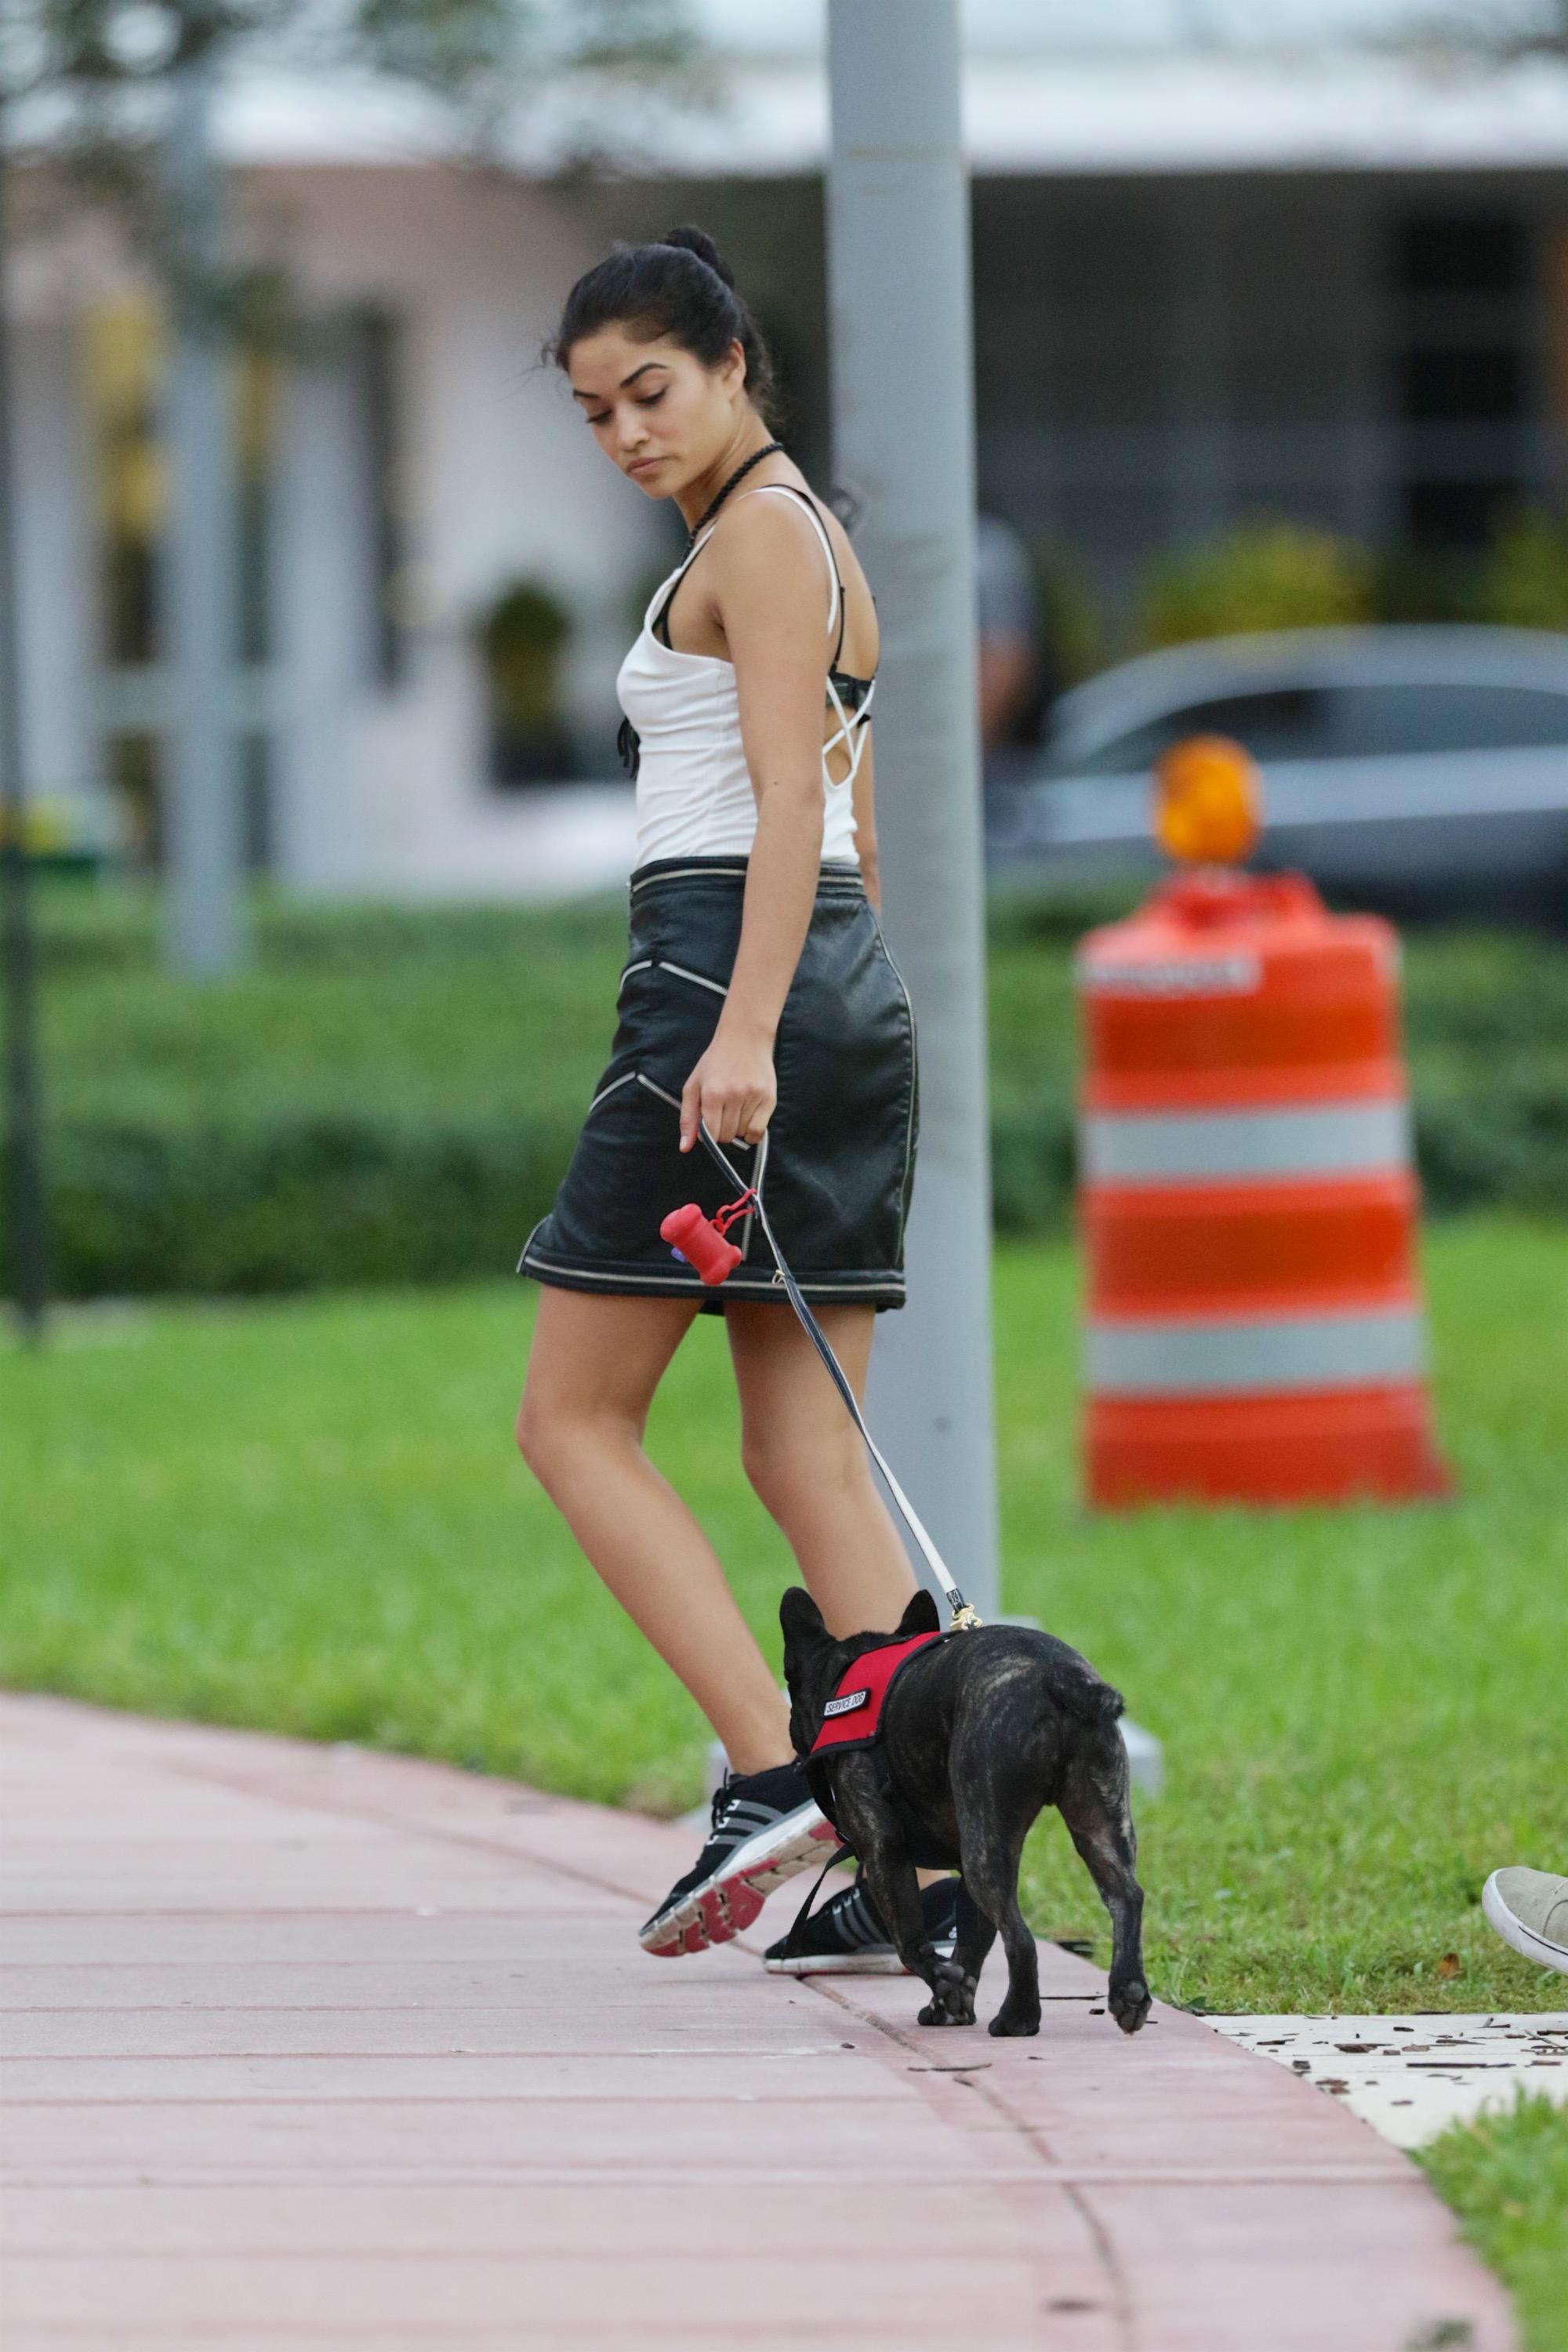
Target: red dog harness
853 1719
853 1716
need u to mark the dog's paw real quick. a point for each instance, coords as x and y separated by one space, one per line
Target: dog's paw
1014 2024
952 1996
1129 2003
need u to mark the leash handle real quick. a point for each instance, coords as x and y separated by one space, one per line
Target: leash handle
963 1616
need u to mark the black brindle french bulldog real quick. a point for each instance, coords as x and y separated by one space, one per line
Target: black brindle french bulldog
979 1733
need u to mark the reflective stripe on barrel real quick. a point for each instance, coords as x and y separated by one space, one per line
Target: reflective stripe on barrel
1184 1147
1240 1355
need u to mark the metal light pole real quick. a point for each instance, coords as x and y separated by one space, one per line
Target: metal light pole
24 1171
903 404
202 841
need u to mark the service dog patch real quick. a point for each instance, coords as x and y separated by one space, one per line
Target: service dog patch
853 1715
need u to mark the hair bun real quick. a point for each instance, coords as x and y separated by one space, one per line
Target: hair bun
692 239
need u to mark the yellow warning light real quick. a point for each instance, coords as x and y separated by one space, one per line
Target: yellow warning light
1208 801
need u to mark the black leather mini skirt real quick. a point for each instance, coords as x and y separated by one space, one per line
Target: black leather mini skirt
837 1164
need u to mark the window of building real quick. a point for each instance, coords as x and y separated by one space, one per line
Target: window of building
375 344
1461 389
125 360
124 357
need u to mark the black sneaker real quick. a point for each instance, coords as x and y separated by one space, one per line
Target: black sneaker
846 1936
766 1827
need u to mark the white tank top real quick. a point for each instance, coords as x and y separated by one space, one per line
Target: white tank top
694 796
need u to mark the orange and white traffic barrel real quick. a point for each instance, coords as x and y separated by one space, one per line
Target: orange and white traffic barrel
1248 1204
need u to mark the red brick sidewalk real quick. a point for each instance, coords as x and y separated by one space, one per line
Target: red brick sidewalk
315 2048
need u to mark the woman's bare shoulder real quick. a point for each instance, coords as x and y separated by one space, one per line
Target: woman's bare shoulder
760 534
774 548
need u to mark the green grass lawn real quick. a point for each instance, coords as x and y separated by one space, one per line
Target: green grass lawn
309 1514
1507 2179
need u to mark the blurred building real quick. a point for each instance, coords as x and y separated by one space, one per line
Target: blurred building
1220 271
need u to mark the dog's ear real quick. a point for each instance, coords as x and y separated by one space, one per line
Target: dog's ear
800 1618
921 1616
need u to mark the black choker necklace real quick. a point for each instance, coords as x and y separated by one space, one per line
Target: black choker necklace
711 508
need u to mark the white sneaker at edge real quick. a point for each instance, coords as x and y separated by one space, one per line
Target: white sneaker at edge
1529 1908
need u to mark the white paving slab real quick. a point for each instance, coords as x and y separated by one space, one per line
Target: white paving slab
1411 2077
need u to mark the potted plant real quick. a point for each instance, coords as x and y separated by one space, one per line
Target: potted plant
521 638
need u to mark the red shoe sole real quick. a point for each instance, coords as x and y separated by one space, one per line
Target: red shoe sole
725 1908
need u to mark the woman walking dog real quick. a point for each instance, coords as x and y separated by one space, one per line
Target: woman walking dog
757 997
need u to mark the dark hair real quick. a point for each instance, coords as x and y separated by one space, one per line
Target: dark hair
682 286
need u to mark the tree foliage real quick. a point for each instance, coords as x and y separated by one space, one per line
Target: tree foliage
1267 574
98 72
88 85
462 48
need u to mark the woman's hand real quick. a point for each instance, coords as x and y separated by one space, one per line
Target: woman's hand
732 1089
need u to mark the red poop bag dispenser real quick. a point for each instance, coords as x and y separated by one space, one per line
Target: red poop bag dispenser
702 1241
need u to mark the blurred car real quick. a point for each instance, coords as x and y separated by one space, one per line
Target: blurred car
1412 765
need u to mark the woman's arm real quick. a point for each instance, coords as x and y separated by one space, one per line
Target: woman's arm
769 593
863 800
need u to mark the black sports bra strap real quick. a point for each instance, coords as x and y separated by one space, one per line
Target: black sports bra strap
661 618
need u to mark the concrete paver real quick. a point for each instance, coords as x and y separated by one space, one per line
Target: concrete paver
1411 2077
309 2047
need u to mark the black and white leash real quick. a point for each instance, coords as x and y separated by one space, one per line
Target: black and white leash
963 1616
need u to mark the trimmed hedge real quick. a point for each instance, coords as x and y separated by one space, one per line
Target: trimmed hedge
333 1204
306 1204
390 1096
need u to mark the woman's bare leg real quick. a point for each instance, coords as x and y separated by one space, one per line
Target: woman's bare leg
807 1462
591 1372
